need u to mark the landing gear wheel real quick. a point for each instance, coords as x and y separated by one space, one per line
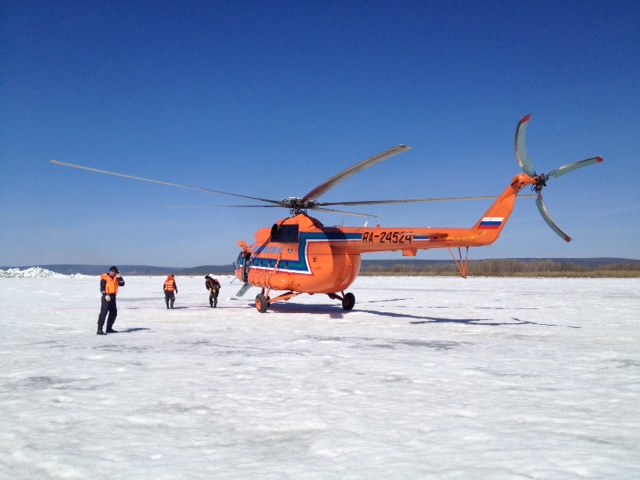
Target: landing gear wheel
261 303
348 301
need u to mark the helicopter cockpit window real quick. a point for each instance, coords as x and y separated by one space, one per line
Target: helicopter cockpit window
285 233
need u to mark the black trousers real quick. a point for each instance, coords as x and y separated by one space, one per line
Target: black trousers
111 308
169 298
213 297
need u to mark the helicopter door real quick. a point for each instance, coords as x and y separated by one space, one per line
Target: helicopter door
246 266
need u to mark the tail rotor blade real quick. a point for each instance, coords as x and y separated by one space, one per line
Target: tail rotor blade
521 146
547 218
540 180
575 166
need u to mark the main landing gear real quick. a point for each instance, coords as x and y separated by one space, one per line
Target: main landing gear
263 301
348 299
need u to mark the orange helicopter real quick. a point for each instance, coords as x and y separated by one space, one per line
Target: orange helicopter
299 254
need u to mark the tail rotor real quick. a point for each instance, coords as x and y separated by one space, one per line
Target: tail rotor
540 180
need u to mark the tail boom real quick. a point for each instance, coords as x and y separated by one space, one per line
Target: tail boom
409 241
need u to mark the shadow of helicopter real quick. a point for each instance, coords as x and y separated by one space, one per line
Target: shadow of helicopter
487 322
336 312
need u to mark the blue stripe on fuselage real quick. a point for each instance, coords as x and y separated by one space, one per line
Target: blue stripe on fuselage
302 264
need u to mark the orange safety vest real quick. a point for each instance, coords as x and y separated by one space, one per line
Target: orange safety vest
170 284
111 288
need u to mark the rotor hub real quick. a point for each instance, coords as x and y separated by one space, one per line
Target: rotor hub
540 181
297 205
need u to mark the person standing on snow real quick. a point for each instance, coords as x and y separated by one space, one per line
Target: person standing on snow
109 283
213 286
170 289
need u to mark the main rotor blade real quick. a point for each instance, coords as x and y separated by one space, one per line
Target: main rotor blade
547 218
223 206
56 162
319 209
351 171
415 200
320 205
341 212
521 145
574 166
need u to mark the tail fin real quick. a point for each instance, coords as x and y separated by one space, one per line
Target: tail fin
494 219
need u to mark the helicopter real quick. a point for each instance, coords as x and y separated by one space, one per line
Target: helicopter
299 254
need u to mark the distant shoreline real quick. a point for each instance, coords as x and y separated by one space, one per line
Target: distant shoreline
517 268
603 274
523 267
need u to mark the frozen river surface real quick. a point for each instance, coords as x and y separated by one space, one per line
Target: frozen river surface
439 378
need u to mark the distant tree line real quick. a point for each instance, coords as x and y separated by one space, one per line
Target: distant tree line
510 268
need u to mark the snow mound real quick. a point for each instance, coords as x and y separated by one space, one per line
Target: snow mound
33 272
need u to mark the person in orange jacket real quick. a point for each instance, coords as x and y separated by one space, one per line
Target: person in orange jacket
170 289
109 283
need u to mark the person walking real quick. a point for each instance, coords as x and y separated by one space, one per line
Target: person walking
109 283
170 289
213 286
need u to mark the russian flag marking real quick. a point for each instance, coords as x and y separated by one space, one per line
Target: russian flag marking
491 222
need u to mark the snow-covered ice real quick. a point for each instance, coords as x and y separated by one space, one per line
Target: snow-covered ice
500 378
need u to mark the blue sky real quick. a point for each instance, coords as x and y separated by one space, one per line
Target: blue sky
269 99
